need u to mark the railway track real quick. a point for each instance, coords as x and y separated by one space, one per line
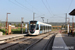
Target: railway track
49 44
31 47
14 44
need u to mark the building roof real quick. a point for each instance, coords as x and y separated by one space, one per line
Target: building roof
72 12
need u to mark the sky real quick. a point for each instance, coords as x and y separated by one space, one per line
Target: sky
53 10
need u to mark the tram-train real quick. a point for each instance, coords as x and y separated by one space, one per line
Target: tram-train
36 28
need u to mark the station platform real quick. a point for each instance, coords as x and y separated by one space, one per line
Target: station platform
6 37
59 43
10 36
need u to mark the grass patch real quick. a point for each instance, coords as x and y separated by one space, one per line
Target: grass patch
53 29
17 31
13 31
3 30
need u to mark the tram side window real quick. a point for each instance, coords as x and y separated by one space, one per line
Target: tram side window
41 27
44 27
47 27
37 27
50 27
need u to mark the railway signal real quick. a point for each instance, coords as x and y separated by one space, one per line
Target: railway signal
22 24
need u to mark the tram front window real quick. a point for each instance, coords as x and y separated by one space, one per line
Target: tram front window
32 26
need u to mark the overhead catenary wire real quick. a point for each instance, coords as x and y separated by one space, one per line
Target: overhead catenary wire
19 6
69 5
23 6
51 10
40 15
32 5
46 7
26 7
16 4
49 7
56 17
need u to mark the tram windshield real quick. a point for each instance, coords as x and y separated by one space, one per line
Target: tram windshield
32 25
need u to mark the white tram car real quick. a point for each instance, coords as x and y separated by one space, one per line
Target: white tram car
36 28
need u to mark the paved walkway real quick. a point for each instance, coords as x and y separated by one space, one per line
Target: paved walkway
69 40
59 43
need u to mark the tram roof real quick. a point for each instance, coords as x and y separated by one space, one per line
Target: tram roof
44 23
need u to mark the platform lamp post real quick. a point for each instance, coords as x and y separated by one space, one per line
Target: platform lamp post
7 22
73 25
68 25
